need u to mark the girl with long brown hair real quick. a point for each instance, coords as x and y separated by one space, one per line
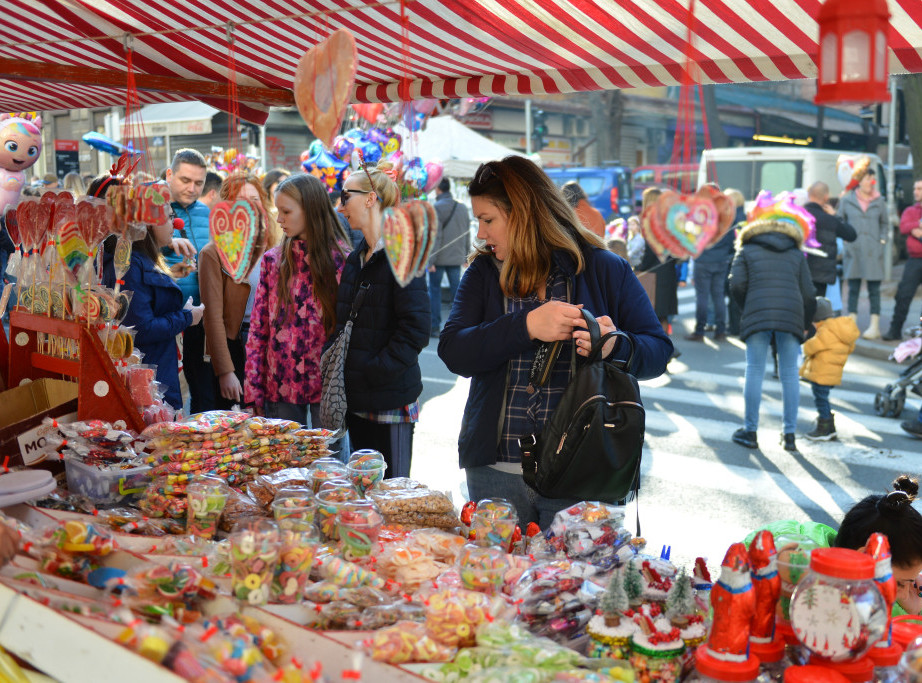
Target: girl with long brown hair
295 307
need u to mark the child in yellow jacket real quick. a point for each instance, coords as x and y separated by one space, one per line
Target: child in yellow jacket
824 358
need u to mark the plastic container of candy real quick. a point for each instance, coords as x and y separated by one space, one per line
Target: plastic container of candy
106 486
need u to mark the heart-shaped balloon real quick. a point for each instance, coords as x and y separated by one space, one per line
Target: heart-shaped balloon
399 242
238 231
369 111
434 170
323 83
72 248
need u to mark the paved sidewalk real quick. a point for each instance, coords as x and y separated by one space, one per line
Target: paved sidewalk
881 350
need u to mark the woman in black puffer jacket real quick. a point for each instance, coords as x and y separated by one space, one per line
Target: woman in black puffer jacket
770 281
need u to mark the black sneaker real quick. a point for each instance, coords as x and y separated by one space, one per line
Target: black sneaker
890 335
787 440
913 428
694 337
744 438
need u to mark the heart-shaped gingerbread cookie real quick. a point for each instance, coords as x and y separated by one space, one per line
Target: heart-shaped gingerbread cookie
323 84
238 232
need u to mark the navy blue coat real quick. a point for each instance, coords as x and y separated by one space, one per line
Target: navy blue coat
156 313
480 338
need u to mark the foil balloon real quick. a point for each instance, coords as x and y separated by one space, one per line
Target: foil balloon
354 134
434 175
378 136
397 160
414 162
371 151
323 83
393 142
369 112
327 168
416 177
305 155
342 148
20 147
314 148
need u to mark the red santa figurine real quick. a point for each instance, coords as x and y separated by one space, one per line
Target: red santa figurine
767 585
733 601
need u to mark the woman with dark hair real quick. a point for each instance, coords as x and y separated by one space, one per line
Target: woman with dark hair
229 304
294 311
383 378
525 286
272 179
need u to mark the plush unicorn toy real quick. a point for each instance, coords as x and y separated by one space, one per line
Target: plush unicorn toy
20 145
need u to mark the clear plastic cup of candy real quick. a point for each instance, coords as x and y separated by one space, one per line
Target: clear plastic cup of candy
364 454
329 503
365 473
338 483
324 469
493 522
296 557
254 554
294 508
206 497
358 523
482 568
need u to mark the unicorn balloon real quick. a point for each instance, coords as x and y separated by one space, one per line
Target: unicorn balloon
20 145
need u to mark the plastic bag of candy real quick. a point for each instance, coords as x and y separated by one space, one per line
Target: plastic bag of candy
553 600
404 642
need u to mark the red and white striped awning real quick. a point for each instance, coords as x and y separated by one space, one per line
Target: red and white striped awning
64 54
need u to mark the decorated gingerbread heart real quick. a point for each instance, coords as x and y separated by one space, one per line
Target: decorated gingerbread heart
399 243
726 210
658 222
238 233
692 222
323 84
152 203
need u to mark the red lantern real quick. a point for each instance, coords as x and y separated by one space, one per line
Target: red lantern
853 51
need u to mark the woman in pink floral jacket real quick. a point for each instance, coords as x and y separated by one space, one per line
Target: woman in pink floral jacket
295 307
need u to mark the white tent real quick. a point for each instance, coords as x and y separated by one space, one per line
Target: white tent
460 149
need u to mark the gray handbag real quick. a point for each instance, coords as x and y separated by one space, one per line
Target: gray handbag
333 372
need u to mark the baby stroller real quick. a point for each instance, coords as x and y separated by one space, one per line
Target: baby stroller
890 401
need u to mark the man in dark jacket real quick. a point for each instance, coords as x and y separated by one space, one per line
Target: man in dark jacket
828 228
770 280
450 250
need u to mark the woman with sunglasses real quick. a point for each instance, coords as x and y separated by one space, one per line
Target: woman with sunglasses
294 311
383 378
228 304
525 285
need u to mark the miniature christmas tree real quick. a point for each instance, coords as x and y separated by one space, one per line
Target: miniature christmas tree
633 584
614 602
680 602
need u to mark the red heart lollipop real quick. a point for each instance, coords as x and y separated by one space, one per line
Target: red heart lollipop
12 225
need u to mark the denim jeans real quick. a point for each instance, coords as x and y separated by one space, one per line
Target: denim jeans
854 288
487 482
709 284
756 352
435 291
821 400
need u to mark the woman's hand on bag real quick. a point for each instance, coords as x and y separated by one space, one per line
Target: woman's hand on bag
584 345
230 386
553 321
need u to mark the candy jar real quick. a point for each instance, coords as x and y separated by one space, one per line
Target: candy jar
482 568
323 469
296 556
329 501
837 611
294 508
357 524
254 553
493 522
656 655
610 631
910 665
206 496
366 470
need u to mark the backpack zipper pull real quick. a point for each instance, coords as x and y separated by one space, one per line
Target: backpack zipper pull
560 445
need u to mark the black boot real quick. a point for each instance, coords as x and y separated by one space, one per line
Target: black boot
823 430
787 440
892 335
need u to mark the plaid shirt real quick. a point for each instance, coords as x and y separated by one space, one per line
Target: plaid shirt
529 408
408 413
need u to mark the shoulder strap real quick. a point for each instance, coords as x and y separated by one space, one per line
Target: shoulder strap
359 298
452 213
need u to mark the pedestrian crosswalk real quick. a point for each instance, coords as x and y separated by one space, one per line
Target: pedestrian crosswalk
695 479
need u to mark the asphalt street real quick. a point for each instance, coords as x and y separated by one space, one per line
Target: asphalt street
700 491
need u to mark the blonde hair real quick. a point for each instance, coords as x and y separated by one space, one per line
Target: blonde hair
74 184
736 196
618 246
650 195
378 179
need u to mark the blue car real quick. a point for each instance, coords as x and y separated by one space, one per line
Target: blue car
607 187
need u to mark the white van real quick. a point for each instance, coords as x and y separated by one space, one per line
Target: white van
778 169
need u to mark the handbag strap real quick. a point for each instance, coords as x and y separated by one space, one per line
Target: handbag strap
597 341
359 298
